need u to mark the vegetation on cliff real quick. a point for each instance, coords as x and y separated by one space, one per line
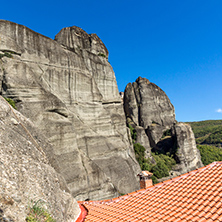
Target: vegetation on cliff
208 135
160 164
38 212
11 102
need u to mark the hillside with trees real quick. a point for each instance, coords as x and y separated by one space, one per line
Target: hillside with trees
208 132
208 135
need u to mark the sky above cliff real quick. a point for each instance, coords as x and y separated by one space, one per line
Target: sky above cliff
175 44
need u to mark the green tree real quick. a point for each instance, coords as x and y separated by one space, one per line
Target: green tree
209 154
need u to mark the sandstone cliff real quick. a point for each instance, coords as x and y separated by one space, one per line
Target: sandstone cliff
68 89
25 172
149 111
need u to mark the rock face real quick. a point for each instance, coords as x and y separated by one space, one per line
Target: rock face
25 172
188 156
147 106
149 111
68 89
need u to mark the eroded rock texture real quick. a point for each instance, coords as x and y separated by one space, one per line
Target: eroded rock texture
25 172
149 111
68 89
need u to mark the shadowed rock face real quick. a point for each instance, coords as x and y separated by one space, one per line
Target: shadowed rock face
147 106
150 112
25 172
68 89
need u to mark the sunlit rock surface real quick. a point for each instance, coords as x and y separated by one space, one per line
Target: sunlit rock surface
68 89
26 174
187 153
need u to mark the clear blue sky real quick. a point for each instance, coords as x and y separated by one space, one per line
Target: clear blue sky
176 44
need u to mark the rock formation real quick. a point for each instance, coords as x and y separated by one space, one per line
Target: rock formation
149 111
189 158
67 88
25 172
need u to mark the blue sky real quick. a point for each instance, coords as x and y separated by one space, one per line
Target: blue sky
176 44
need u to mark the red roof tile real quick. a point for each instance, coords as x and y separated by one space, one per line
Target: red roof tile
194 196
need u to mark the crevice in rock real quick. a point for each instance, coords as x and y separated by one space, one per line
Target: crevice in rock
151 140
4 86
87 175
10 52
110 102
58 111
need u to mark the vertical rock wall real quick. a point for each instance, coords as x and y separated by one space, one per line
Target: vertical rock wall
68 89
189 158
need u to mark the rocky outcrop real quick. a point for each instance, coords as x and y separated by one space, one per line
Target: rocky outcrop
187 153
147 106
25 172
68 89
149 111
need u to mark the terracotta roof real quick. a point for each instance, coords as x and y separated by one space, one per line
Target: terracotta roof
194 196
82 215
